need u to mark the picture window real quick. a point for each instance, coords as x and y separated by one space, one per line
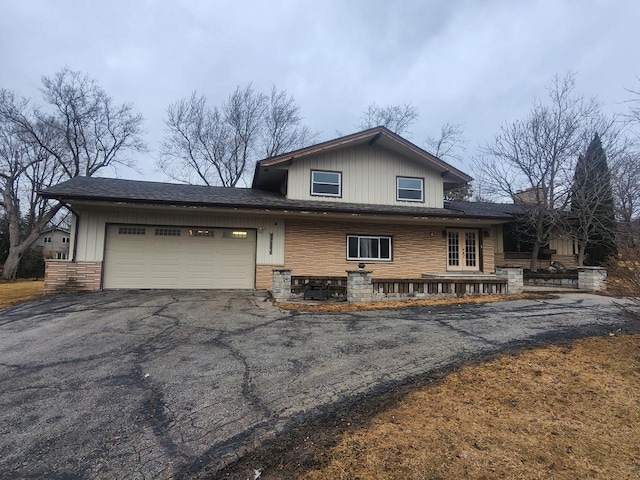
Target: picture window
361 247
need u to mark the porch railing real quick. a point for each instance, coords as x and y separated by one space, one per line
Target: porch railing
424 287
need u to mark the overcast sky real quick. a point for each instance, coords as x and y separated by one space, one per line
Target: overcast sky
478 63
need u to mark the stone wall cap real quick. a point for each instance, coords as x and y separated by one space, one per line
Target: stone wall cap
281 270
359 271
591 268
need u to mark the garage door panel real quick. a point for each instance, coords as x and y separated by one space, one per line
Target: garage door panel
168 260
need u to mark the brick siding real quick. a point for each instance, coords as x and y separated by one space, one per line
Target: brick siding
264 276
319 248
64 276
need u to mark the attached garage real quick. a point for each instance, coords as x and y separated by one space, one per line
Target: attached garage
149 256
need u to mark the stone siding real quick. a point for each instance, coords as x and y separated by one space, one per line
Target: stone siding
281 285
359 286
62 276
593 279
515 279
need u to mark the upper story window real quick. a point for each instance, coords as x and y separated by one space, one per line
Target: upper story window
65 239
326 183
47 239
410 189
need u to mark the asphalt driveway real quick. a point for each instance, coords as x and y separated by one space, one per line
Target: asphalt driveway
163 384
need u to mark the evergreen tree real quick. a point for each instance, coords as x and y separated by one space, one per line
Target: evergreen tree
592 206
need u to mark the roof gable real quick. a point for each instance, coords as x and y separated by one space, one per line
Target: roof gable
378 135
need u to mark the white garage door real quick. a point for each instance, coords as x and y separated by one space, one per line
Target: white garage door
143 256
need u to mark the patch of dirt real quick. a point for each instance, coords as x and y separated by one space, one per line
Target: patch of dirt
563 412
343 307
20 291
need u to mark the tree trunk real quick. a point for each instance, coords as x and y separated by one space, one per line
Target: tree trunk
534 256
581 249
16 247
10 267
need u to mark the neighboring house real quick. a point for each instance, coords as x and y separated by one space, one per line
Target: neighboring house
53 243
371 197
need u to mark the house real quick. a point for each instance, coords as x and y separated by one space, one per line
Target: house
371 197
53 243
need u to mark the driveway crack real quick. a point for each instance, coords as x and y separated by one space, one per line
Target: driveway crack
248 390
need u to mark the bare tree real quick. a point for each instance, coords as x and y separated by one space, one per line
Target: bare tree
283 128
217 146
450 145
397 118
531 161
626 193
80 133
24 168
634 108
194 142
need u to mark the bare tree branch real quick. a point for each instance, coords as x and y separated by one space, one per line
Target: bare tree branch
397 118
283 129
450 145
79 133
219 146
531 161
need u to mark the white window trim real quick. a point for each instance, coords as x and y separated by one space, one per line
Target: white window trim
339 194
400 199
370 259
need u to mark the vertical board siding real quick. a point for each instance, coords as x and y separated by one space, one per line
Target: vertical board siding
368 176
563 246
499 241
91 232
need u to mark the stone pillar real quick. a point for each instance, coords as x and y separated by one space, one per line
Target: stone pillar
359 286
281 284
593 279
514 276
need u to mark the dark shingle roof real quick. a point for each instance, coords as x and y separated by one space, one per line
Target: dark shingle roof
156 193
485 209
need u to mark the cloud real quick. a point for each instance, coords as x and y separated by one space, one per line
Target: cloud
476 63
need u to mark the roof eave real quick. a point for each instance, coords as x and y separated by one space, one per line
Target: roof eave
275 208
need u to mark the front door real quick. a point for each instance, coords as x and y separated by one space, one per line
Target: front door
462 250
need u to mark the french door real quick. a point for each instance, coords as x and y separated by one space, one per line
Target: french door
463 250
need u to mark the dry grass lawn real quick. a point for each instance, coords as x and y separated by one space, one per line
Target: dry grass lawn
20 291
562 412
